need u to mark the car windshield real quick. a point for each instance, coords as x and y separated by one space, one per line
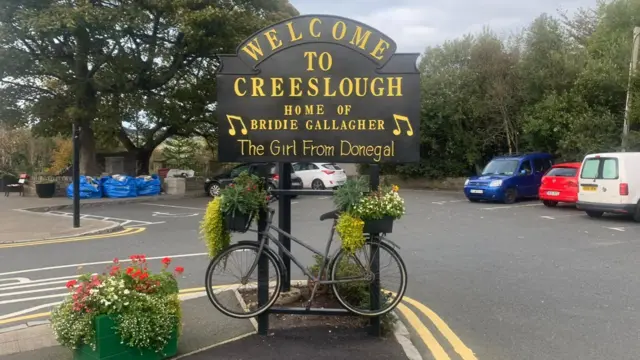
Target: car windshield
500 167
563 172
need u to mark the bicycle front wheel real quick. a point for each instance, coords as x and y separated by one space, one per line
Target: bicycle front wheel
354 279
232 289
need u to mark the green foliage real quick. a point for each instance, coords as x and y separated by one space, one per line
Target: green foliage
350 229
245 196
347 196
384 202
110 65
213 229
181 152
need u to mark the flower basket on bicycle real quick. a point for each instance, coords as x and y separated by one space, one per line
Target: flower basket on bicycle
366 212
238 222
379 226
233 211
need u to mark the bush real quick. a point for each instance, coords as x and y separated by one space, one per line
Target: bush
355 293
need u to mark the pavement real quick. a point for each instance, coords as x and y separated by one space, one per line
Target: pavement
486 281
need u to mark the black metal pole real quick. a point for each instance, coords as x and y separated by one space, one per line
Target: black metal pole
76 176
263 278
374 294
284 221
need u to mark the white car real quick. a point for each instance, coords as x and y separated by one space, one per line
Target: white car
319 176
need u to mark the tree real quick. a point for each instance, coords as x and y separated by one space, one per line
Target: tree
181 153
66 62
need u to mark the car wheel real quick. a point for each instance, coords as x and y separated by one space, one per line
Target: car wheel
214 189
594 214
636 215
510 196
549 203
317 184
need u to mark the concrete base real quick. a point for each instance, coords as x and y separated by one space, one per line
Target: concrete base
175 186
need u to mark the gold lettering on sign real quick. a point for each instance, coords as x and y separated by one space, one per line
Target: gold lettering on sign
327 87
350 34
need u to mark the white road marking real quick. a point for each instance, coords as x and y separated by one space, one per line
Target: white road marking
17 281
509 207
438 202
294 202
96 263
128 222
13 301
32 291
548 217
615 228
162 214
173 206
324 197
31 309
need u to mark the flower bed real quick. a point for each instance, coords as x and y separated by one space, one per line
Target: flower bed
126 313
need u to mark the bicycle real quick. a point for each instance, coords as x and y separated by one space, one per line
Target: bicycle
333 264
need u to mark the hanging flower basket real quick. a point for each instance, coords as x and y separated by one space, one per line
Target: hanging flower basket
378 226
238 222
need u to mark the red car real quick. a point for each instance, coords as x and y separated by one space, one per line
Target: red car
560 184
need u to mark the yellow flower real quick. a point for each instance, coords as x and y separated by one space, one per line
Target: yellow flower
395 188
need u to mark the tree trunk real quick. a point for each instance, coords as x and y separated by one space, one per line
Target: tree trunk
88 164
143 157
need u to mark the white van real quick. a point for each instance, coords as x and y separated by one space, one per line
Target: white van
610 182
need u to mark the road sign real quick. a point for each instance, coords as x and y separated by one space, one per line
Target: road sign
319 88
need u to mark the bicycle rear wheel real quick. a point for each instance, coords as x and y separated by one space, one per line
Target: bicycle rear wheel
229 293
356 279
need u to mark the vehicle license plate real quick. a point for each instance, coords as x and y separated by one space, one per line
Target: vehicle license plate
476 191
553 193
588 188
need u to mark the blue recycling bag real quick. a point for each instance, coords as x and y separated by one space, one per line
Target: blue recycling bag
119 186
148 185
89 188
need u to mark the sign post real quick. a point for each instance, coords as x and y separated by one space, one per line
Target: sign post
76 175
317 88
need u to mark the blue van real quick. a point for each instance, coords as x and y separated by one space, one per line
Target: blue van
507 178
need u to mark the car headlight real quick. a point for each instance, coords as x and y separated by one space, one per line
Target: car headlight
496 183
466 182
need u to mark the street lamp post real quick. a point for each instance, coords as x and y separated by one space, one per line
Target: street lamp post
632 71
76 175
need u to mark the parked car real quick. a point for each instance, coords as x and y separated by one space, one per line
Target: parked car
560 184
507 178
610 182
320 176
212 186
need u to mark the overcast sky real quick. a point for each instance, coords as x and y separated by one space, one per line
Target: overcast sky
416 24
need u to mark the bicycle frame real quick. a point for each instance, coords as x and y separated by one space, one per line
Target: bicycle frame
325 257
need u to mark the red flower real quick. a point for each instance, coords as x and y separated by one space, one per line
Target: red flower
136 273
143 276
116 261
179 269
166 261
129 270
114 270
71 283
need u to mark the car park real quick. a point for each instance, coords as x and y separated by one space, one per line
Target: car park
507 178
216 183
610 183
319 176
560 184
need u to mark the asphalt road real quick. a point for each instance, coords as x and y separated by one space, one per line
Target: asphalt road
513 282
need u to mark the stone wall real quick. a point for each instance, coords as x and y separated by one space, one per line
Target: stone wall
62 182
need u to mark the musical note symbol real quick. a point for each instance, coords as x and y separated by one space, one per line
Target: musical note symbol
232 131
397 130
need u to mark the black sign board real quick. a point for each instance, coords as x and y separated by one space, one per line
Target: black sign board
319 88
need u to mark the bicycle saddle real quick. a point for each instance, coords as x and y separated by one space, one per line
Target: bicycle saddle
330 215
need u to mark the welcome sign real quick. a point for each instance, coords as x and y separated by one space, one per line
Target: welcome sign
319 88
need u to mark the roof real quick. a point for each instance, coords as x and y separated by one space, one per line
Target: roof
615 154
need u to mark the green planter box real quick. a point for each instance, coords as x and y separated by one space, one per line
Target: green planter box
108 346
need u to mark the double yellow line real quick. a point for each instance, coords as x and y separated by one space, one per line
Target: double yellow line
127 231
427 336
